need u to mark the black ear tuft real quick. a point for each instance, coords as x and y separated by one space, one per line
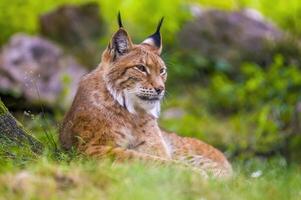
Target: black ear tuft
159 25
119 20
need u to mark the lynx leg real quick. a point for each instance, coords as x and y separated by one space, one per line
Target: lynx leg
122 154
200 155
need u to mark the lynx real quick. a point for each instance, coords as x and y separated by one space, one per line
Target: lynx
116 108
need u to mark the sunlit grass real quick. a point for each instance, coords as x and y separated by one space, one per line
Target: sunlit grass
84 178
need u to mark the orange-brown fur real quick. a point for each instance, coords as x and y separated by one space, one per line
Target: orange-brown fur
97 124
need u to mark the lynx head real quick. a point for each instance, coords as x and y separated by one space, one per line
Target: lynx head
135 74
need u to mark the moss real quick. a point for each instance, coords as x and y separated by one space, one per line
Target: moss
12 129
3 109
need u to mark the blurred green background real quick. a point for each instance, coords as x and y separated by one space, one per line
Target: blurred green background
246 102
141 16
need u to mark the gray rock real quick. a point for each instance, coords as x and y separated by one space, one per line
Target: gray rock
78 28
37 70
233 37
173 113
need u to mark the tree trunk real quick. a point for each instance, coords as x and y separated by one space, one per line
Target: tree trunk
14 134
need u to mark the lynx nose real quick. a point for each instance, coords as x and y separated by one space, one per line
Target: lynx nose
159 90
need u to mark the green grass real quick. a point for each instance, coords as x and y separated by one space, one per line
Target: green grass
84 178
57 175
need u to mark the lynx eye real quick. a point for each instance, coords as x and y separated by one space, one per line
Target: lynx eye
141 68
162 71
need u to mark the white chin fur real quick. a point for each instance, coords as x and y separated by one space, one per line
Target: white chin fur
156 110
130 101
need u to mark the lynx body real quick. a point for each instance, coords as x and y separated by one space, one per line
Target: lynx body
116 108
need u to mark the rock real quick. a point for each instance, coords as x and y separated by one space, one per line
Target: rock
233 37
36 69
173 113
78 28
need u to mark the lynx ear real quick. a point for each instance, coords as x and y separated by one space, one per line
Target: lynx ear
121 42
155 39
